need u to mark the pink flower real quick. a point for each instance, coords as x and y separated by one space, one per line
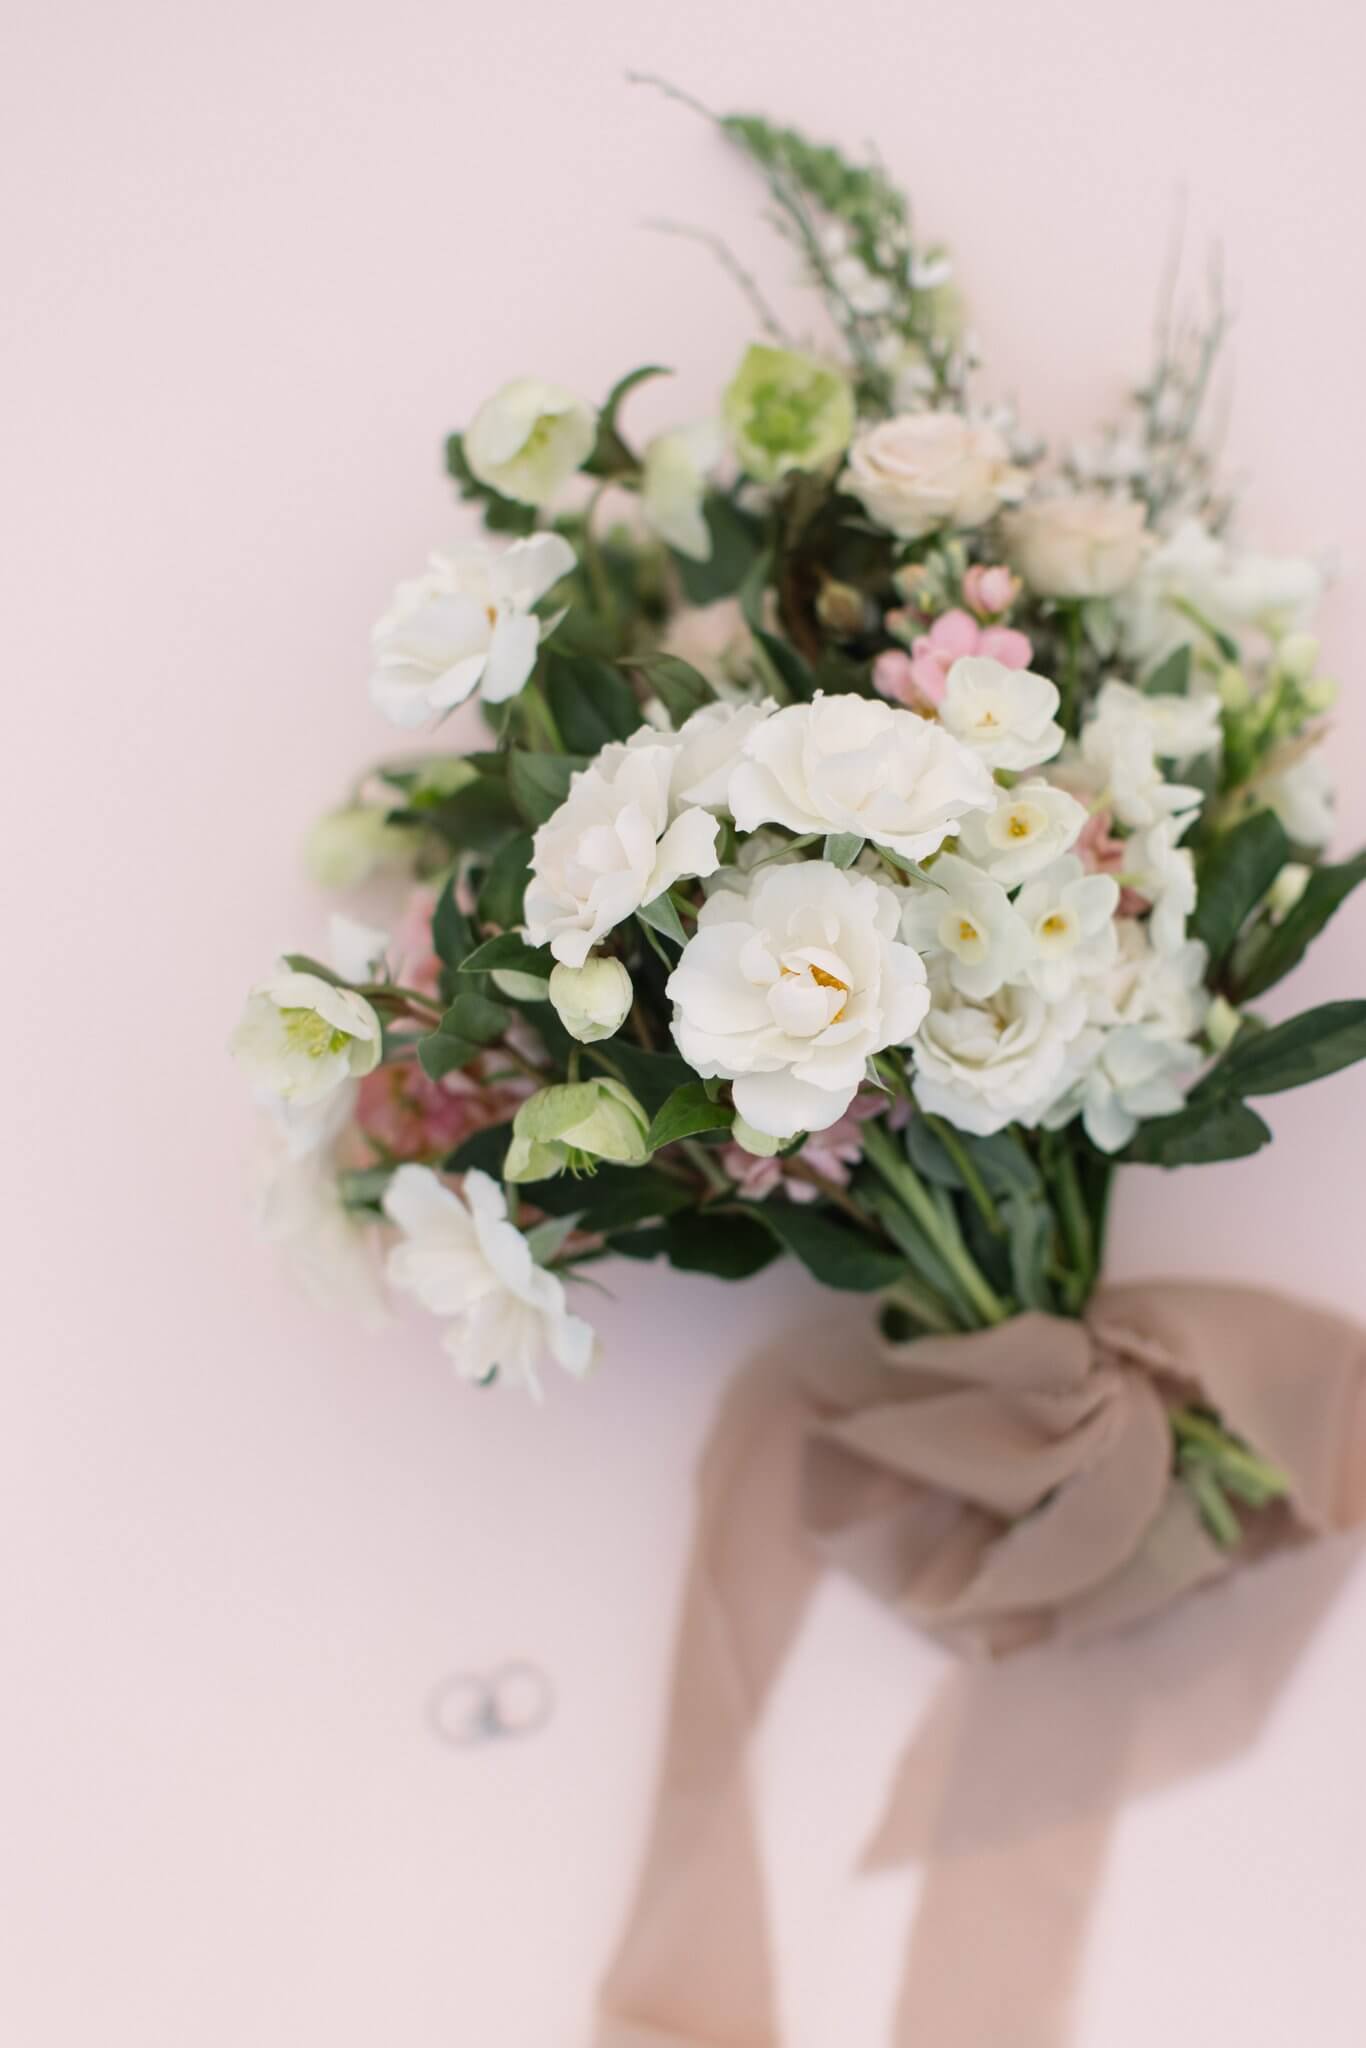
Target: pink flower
414 1117
832 1153
1100 853
990 591
924 678
412 957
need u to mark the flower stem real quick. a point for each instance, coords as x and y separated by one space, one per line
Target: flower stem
1076 1224
905 1183
972 1179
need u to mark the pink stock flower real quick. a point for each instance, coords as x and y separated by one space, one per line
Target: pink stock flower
412 957
414 1117
832 1153
1100 853
920 679
990 591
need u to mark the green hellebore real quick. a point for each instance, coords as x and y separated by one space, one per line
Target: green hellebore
786 411
576 1126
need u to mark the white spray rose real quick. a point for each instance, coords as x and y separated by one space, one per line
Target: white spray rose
1031 826
461 1258
1006 715
674 472
300 1037
466 623
930 469
611 847
529 438
788 987
706 748
1070 917
858 765
969 920
591 1001
985 1064
1085 544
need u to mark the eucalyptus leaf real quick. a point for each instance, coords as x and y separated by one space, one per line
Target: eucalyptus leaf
661 914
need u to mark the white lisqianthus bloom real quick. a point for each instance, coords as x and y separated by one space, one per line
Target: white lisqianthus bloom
465 624
789 985
609 848
673 484
1163 871
1129 1075
985 1064
461 1257
1031 826
1006 715
706 748
1119 762
300 1037
591 1001
1070 918
1302 797
529 438
849 764
968 919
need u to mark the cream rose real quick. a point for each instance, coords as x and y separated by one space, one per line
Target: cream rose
1086 544
929 469
788 988
985 1064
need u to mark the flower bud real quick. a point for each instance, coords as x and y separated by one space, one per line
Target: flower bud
990 591
1234 691
757 1143
1287 889
576 1125
1222 1023
1297 657
841 609
591 1001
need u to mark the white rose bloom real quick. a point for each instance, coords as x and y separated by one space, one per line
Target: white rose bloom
460 1257
1158 868
969 920
1031 826
706 748
1120 761
1070 918
529 438
1302 798
300 1037
591 1001
1006 715
983 1065
1130 1075
611 847
929 469
858 765
1084 544
466 623
787 988
674 471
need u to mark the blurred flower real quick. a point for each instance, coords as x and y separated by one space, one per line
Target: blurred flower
674 471
529 438
969 922
576 1126
300 1037
1301 794
1032 825
413 1117
924 470
787 412
952 636
1083 544
990 591
1005 715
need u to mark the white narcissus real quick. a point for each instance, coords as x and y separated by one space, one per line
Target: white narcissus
461 1258
1006 715
985 1064
1158 868
1070 917
788 987
609 848
674 471
465 624
969 920
1130 1075
299 1037
1119 761
1032 825
847 764
529 438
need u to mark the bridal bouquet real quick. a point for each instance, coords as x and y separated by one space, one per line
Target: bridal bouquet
874 833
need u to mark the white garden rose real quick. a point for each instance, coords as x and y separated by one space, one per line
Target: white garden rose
610 847
971 922
849 764
1031 826
1083 544
300 1037
706 749
674 471
591 1001
925 470
461 1258
529 438
1070 918
1005 715
789 985
466 623
985 1064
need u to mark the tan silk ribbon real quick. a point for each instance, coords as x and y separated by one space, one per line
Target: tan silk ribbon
1007 1490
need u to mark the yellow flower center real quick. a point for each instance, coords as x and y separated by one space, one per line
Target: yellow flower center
1018 825
1054 925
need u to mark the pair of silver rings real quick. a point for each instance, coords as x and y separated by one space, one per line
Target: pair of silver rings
469 1708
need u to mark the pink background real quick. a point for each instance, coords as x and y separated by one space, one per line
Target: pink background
256 261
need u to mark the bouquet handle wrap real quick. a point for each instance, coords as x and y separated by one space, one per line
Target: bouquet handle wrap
1009 1490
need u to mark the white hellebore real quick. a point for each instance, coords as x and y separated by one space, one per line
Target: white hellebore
983 1065
1084 544
970 920
1070 917
1030 827
847 764
466 623
1006 715
788 988
929 469
529 438
610 847
300 1037
460 1257
591 1001
674 471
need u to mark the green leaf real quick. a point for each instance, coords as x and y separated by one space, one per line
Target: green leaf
735 547
1001 1160
686 1112
509 949
661 914
501 515
1234 875
500 898
842 849
1286 944
914 868
1208 1129
452 936
1031 1227
838 1256
1306 1048
1171 677
444 1051
921 1254
591 704
728 1247
793 672
476 819
304 963
486 1150
614 1197
611 456
540 782
680 688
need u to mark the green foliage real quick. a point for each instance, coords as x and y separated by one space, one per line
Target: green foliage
504 884
611 455
452 936
729 1247
793 672
680 688
539 783
590 702
1233 875
833 1252
1171 678
842 849
651 1077
1209 1129
736 544
479 818
686 1113
509 950
661 915
1278 948
1306 1048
